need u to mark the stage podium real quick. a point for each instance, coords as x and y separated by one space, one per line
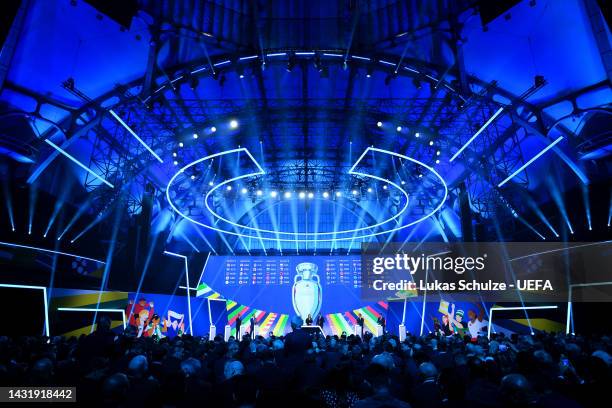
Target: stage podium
228 332
212 332
379 330
357 330
402 332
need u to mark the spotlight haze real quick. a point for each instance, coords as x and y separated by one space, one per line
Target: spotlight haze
233 124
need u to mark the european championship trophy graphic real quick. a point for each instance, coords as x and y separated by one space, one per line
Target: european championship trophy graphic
306 293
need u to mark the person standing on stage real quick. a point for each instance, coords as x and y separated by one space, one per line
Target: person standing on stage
238 323
253 327
360 322
309 320
381 321
321 321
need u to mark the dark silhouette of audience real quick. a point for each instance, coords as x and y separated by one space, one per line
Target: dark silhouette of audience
304 369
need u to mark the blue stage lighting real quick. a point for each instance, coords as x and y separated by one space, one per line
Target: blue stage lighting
483 127
311 195
399 128
259 193
437 161
379 124
174 154
195 135
355 192
438 153
210 183
213 129
534 158
431 143
175 163
369 189
273 194
181 144
129 129
233 124
244 190
325 194
302 195
417 134
338 193
287 194
193 177
81 165
228 188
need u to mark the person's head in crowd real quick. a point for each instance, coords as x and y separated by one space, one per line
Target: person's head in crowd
515 391
115 389
138 366
42 371
104 324
428 372
232 369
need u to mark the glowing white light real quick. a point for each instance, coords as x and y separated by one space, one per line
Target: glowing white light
384 187
399 128
195 135
437 161
355 192
438 153
369 189
181 144
210 183
310 195
338 193
192 177
287 194
175 163
273 194
325 194
259 193
417 134
431 143
213 129
244 190
302 194
379 124
403 183
228 188
174 154
233 124
131 131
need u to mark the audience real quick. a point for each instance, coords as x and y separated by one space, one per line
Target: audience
300 369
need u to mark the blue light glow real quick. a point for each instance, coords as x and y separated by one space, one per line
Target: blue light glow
482 128
129 129
534 158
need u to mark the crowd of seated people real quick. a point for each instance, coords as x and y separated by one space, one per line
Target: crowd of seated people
304 369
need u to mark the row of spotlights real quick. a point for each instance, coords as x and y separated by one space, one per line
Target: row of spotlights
301 194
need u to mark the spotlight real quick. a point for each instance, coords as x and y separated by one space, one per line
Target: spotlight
403 183
287 194
175 163
338 194
233 124
379 124
228 188
193 177
438 153
355 192
240 73
417 134
431 143
273 194
195 135
244 190
213 129
210 183
325 194
437 161
369 189
399 128
311 195
302 195
384 187
259 193
181 144
369 72
174 154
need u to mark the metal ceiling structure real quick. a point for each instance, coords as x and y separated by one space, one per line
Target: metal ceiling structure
312 85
